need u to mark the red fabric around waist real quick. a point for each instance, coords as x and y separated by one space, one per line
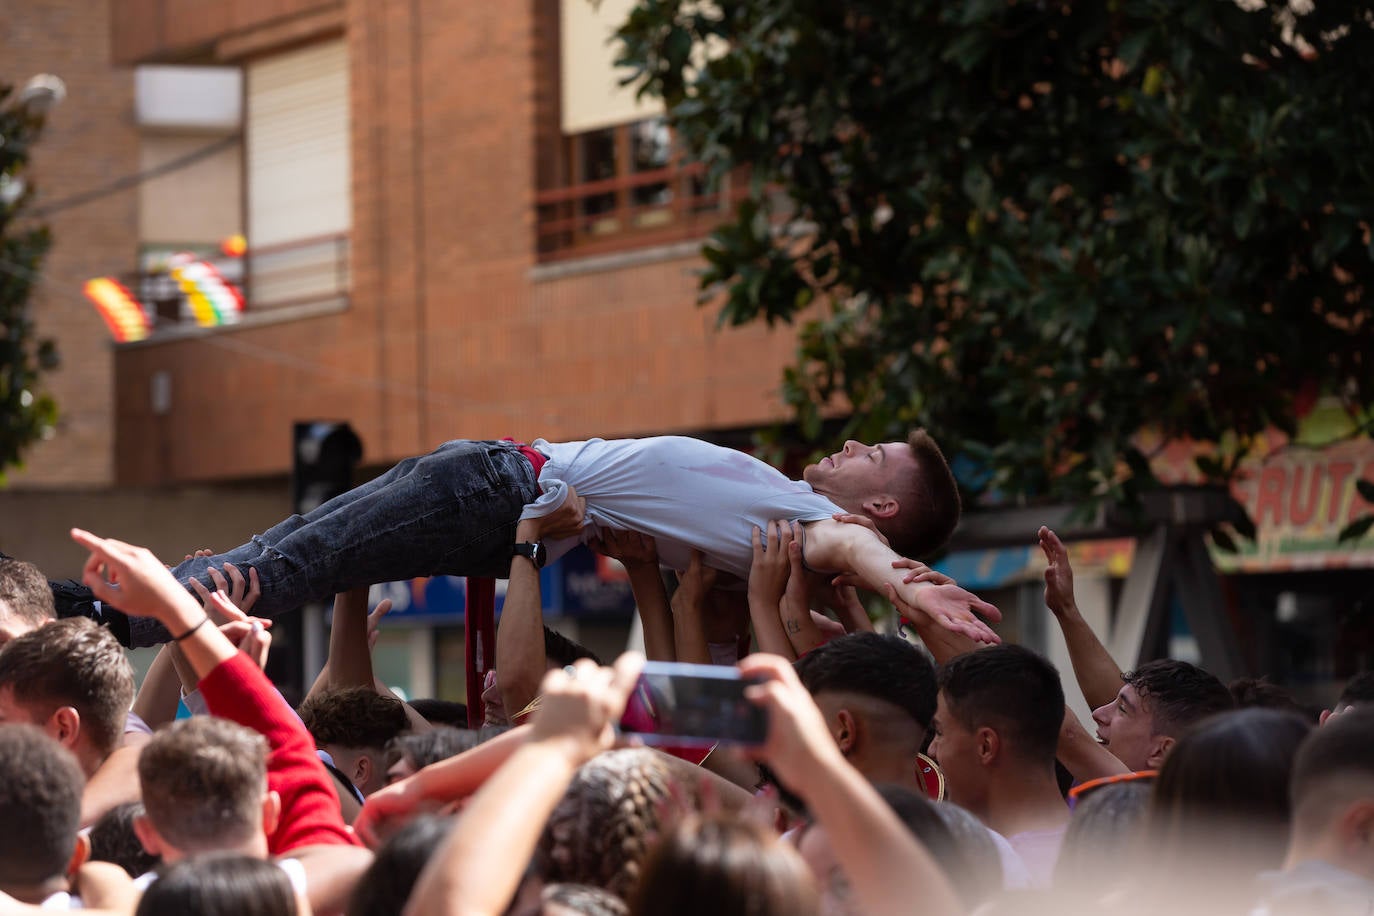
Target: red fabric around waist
536 460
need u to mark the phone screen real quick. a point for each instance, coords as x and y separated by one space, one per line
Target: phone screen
692 705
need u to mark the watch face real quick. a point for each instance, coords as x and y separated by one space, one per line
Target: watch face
539 555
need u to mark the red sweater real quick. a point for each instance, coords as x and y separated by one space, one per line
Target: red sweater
238 690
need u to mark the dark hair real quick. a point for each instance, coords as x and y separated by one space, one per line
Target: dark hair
1229 773
1179 694
113 840
582 899
203 782
928 503
1335 760
1012 689
1105 829
424 748
727 866
561 651
1359 689
40 806
601 831
353 717
1259 693
216 884
441 712
74 663
24 592
881 666
920 816
386 885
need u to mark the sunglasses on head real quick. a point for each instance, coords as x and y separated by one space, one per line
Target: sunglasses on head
1083 790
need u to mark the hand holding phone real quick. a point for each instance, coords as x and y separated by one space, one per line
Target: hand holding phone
693 706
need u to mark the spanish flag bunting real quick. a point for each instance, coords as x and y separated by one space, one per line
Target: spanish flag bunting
123 314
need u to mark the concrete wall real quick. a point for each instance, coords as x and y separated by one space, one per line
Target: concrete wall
171 522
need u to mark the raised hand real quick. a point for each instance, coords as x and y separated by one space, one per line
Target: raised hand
563 522
242 592
771 567
374 622
629 547
798 738
579 709
1058 574
134 580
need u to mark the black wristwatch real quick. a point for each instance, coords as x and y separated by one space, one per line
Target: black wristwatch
532 551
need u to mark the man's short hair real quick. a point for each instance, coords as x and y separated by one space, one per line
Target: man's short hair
25 593
74 663
929 502
354 717
40 806
871 664
203 783
1179 694
1011 689
1334 765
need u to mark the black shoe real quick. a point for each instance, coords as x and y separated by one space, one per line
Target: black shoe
76 600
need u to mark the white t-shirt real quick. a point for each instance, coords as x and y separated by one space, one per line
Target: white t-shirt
1039 850
683 492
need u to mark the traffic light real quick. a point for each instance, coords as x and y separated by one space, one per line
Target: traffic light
324 457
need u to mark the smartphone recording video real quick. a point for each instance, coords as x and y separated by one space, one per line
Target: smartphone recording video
693 706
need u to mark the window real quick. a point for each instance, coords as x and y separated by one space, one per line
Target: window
629 187
621 181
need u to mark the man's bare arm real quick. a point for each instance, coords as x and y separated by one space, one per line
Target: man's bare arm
1098 675
832 546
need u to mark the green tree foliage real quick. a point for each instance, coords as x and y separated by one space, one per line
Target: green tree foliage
26 414
1039 227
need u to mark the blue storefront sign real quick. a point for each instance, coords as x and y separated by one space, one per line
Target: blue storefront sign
581 584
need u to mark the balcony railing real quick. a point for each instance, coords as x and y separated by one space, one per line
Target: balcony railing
271 277
653 207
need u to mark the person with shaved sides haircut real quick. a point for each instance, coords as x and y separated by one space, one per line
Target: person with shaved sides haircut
878 696
1329 868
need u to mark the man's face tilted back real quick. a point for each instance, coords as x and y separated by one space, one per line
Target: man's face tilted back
1159 701
1126 727
858 475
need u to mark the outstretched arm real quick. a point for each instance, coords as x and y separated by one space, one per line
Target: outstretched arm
689 610
520 658
1098 676
833 546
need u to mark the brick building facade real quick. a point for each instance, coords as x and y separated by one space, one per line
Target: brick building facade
452 326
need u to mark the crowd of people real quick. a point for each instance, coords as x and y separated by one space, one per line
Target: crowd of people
940 778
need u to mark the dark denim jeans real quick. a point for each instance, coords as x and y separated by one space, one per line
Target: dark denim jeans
451 512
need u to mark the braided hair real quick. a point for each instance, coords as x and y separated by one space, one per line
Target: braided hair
602 830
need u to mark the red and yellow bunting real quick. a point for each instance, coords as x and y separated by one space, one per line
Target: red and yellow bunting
124 316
